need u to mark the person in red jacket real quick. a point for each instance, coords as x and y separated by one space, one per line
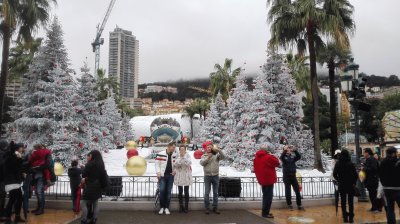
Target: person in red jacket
38 161
264 168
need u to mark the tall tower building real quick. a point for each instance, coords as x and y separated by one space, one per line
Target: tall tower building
123 62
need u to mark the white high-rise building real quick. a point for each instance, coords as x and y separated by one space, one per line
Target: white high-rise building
123 62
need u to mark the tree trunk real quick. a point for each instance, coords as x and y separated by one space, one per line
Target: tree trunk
4 69
332 96
314 93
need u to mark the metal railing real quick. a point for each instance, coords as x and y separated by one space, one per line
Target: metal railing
131 188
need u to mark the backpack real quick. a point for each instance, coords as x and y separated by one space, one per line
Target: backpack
50 166
105 180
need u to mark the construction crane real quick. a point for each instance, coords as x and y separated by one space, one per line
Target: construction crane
99 40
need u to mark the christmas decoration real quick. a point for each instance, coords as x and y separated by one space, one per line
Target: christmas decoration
214 124
131 152
58 169
198 153
113 120
130 145
43 113
136 166
362 176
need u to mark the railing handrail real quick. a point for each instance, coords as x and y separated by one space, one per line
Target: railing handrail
241 188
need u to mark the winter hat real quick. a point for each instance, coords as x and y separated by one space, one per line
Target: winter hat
207 143
337 151
15 146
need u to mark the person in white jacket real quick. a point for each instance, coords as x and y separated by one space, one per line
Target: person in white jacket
165 173
183 177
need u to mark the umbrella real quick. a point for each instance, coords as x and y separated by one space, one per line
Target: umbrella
336 196
26 187
78 200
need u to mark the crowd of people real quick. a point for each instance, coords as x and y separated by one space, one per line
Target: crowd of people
382 180
22 170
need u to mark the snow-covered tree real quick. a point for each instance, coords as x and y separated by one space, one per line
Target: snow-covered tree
288 105
213 126
90 131
111 118
259 125
238 103
44 113
127 129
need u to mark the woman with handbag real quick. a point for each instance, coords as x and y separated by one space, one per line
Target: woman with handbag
346 175
92 176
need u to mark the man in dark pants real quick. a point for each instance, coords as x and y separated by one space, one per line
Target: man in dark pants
264 168
389 173
372 180
289 175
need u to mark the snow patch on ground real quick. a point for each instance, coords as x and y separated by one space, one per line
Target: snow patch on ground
116 159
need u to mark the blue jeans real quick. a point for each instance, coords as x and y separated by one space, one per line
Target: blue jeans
208 181
166 183
267 199
391 197
39 181
90 210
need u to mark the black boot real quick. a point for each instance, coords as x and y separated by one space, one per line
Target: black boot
186 205
351 218
181 209
18 219
345 217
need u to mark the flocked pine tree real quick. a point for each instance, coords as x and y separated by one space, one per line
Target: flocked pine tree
238 103
44 113
127 129
214 124
288 104
111 118
90 134
259 125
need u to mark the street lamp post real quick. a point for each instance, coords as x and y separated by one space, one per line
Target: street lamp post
355 92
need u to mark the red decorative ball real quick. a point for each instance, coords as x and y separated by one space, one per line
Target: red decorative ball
80 145
131 152
198 153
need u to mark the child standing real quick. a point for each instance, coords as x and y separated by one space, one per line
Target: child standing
74 174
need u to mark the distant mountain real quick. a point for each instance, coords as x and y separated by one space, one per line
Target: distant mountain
184 90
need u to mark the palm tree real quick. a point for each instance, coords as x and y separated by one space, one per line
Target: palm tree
21 57
300 72
223 79
106 84
25 17
302 22
190 112
332 55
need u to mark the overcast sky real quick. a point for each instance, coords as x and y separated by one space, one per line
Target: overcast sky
182 39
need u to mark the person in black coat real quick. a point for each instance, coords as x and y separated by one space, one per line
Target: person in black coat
346 175
289 175
12 181
91 180
372 179
3 150
74 174
389 173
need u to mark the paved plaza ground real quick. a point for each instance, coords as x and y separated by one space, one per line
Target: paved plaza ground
321 214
